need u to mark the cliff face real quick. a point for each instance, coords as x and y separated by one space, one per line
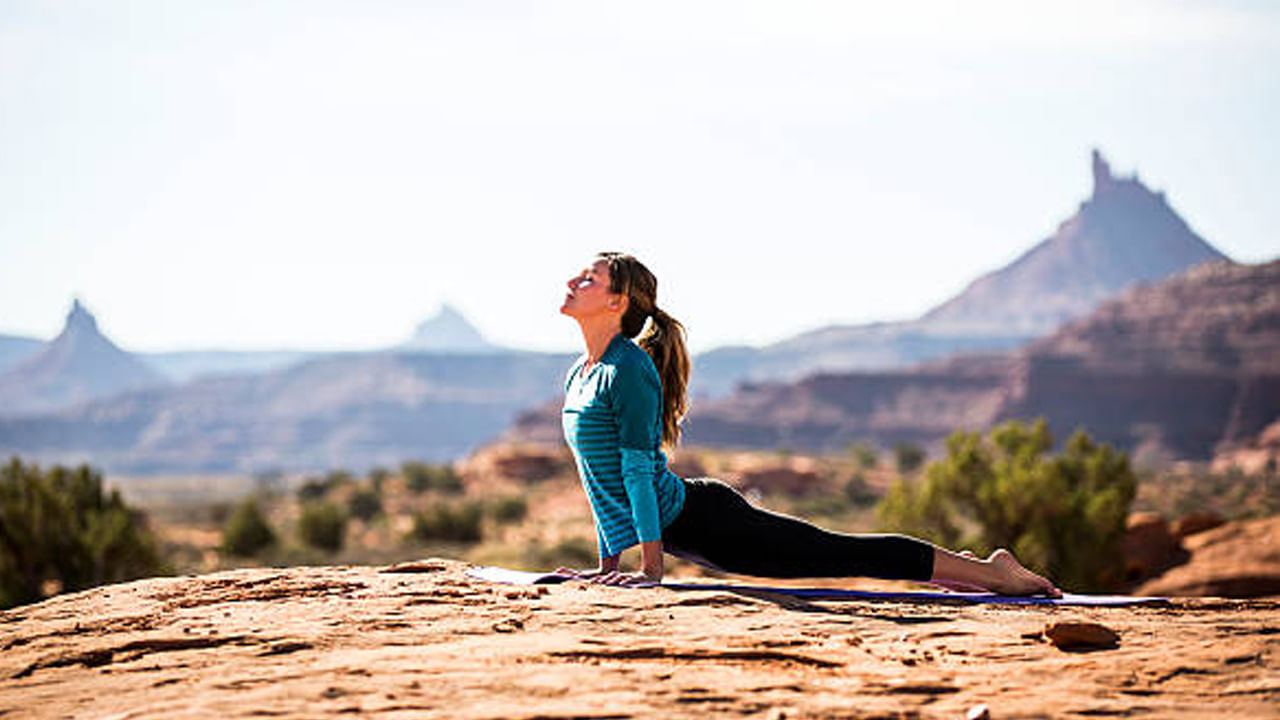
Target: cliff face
1182 367
427 641
1173 369
1220 318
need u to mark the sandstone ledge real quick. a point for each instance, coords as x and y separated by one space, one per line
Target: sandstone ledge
311 642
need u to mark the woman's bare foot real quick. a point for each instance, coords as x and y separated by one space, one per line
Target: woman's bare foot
1009 577
957 585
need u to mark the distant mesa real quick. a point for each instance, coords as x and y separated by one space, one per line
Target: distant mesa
77 366
1122 235
448 331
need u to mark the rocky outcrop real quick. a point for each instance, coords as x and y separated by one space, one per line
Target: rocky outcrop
1122 235
1239 559
80 365
522 465
423 640
1149 547
1172 370
1258 454
1196 522
448 331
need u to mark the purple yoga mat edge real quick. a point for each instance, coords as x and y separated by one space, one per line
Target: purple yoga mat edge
524 577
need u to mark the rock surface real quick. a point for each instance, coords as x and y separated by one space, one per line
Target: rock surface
1149 547
431 642
1239 559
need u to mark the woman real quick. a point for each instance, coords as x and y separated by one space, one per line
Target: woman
624 401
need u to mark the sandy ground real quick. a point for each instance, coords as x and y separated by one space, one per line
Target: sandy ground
310 642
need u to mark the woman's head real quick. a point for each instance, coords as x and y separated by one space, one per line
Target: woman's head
632 295
629 278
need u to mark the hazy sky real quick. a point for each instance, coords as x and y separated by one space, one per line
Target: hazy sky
321 175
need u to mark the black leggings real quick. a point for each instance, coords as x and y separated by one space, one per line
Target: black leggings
719 529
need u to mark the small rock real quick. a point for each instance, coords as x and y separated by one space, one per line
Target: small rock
1081 635
509 625
416 566
978 712
1196 522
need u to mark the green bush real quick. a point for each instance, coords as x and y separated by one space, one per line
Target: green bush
365 504
1063 515
420 477
322 526
509 509
60 527
909 457
313 489
864 455
452 522
247 531
317 488
857 492
377 476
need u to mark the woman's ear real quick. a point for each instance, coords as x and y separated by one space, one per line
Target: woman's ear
618 303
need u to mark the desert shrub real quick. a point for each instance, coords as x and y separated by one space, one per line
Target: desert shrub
322 526
864 455
247 532
857 492
509 509
312 489
420 477
453 522
317 488
909 457
338 478
377 476
1062 515
59 528
365 504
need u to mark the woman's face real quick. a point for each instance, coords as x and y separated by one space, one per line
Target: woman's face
589 293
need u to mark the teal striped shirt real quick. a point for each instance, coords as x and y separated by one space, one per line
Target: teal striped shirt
613 423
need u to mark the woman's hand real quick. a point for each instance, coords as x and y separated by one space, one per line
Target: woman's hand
633 579
584 574
607 565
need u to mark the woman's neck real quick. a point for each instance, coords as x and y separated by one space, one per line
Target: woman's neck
597 336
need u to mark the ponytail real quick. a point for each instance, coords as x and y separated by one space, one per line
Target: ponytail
662 337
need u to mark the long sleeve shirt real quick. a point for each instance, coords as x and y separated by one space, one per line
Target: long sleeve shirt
613 424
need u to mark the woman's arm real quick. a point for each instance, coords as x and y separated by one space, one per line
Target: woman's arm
637 405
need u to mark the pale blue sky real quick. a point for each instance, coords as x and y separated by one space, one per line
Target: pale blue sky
320 175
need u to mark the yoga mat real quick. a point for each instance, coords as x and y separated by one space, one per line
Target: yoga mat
524 577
